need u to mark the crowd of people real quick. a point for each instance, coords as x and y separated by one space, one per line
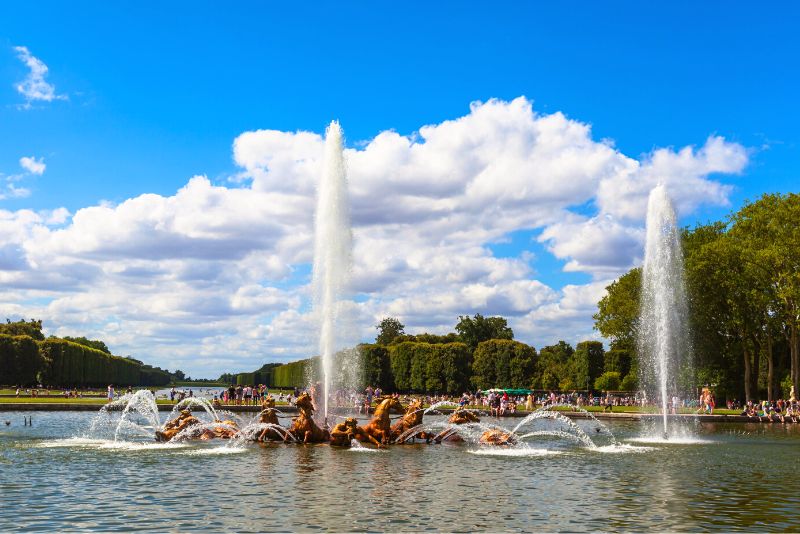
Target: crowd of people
779 411
497 402
245 395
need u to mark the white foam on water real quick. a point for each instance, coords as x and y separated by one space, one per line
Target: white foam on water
355 446
213 451
70 442
88 443
365 449
677 440
518 452
621 448
134 446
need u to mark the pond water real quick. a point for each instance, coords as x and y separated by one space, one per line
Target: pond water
728 477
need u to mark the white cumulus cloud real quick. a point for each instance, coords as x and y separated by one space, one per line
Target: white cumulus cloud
216 278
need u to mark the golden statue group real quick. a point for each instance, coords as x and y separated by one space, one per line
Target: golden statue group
379 431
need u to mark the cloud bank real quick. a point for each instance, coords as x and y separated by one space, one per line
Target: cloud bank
216 278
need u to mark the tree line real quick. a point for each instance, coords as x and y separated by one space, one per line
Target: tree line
27 358
743 284
480 354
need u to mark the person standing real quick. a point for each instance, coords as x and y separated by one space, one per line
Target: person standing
110 392
369 392
529 402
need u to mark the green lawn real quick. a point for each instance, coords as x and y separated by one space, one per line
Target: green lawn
55 399
12 391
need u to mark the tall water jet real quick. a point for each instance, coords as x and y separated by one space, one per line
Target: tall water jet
332 251
663 327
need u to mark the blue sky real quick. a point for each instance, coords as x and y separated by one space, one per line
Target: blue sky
152 96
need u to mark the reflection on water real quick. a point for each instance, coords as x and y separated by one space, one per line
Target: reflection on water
740 478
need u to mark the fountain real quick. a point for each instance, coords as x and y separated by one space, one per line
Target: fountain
663 330
332 251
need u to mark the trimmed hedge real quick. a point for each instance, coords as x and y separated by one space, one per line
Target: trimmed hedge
292 374
58 362
376 369
503 363
421 367
68 363
20 360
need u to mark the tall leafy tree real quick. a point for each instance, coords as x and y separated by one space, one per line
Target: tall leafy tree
555 367
617 317
389 329
473 330
768 231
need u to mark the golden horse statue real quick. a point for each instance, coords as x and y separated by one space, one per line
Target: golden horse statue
459 417
497 437
303 427
412 418
226 430
270 416
345 432
185 419
380 427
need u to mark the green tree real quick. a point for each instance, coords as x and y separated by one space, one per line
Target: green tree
618 360
617 317
473 330
555 366
768 233
588 363
608 382
629 383
388 330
